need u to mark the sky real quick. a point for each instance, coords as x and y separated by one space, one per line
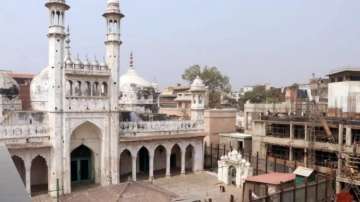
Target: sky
278 42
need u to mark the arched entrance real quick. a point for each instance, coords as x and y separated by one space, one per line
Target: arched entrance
160 161
189 158
232 175
125 166
82 165
39 176
143 163
20 167
175 160
85 157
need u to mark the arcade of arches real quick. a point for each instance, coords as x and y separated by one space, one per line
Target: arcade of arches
33 171
160 160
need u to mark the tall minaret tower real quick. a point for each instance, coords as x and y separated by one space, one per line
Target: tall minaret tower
113 17
56 35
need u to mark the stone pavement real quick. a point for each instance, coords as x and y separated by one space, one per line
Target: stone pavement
199 186
185 188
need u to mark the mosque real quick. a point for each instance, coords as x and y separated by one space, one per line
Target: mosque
88 125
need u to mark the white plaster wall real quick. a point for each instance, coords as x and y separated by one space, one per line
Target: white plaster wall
341 93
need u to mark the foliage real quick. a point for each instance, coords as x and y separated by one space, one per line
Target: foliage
213 79
262 95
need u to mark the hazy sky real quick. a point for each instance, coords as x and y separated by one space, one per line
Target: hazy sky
253 41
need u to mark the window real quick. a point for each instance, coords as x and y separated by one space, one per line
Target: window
104 89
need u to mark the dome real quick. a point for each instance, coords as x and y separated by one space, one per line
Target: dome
131 78
198 85
39 89
6 82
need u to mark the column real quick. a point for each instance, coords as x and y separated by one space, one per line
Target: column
291 131
28 175
291 153
168 154
134 168
183 165
151 167
348 136
306 131
340 134
306 157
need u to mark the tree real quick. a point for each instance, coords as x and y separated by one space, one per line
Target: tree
262 95
216 82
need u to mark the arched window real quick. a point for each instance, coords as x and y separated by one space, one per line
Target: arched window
96 89
200 99
88 89
52 17
58 17
69 88
104 89
78 88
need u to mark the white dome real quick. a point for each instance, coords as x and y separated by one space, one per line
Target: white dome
6 82
131 78
39 90
198 85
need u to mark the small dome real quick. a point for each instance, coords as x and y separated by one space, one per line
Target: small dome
68 62
6 82
39 90
198 85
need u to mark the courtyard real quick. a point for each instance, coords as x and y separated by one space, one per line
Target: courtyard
187 188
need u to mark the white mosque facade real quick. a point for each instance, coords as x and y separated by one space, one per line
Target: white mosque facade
76 134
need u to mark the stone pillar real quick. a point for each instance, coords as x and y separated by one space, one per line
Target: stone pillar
183 163
340 134
291 153
348 136
246 122
306 131
133 168
28 176
291 130
151 167
168 154
306 157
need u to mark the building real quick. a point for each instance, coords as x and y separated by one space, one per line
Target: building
76 131
327 143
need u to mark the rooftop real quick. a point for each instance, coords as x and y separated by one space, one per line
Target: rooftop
272 178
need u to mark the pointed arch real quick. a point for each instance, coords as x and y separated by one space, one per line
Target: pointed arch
160 153
189 158
20 167
143 162
39 176
125 165
175 159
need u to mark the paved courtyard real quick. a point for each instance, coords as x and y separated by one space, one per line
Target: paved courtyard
187 188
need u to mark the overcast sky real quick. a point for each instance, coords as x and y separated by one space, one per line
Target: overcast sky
254 41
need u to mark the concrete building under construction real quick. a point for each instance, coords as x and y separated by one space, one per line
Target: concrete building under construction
326 141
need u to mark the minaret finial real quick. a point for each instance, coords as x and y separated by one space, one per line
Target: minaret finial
131 60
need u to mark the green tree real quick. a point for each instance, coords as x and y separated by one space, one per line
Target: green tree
216 82
262 95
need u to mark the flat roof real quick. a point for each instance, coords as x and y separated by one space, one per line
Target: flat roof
272 178
12 187
344 69
236 135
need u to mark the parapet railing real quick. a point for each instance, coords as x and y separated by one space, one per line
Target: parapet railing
23 131
161 126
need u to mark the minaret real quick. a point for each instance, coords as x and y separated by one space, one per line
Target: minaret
113 17
198 91
56 36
